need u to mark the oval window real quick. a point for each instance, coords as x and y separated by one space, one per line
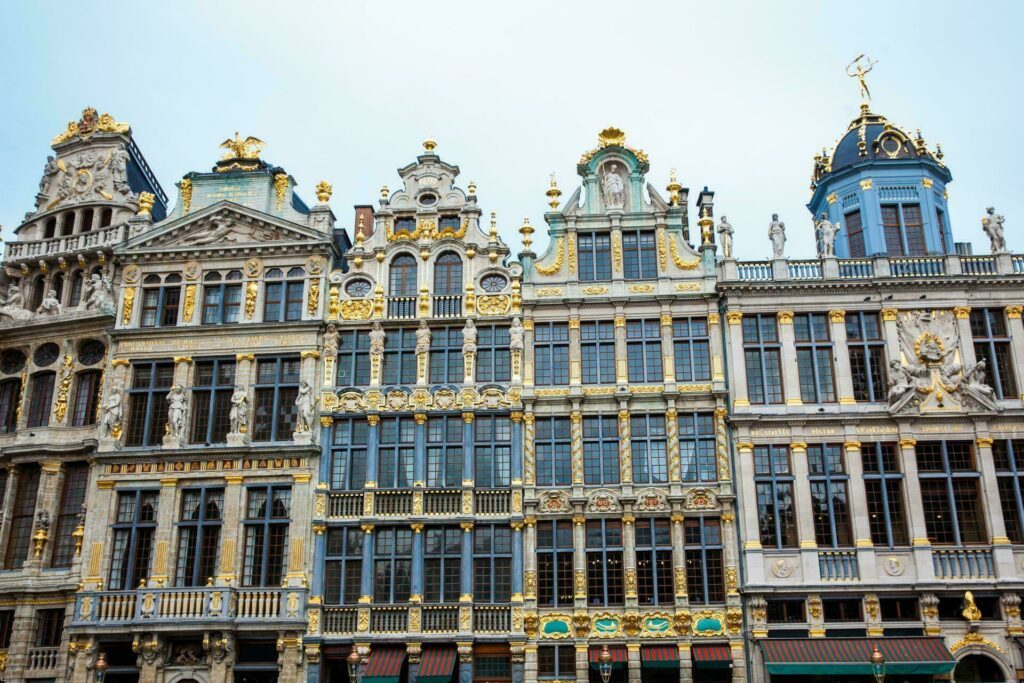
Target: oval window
493 283
46 354
12 362
428 199
357 288
91 352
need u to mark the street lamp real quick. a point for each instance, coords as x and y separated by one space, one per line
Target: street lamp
605 664
353 665
878 665
101 667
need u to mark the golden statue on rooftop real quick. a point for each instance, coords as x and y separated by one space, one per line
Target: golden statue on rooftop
237 148
859 68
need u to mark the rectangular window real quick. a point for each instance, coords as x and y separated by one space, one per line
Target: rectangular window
396 450
6 628
132 538
904 230
883 488
647 442
40 398
198 536
900 609
814 358
950 492
26 489
595 256
277 387
348 455
705 580
605 586
940 224
392 565
855 234
654 562
10 394
147 403
992 346
556 661
400 354
344 566
554 564
353 358
492 564
445 358
49 627
643 350
553 439
601 450
762 355
773 482
597 352
697 447
691 347
267 516
222 303
913 228
160 306
493 356
551 354
893 233
492 448
830 500
87 394
442 563
444 451
866 348
1009 461
212 389
639 254
842 609
786 611
70 514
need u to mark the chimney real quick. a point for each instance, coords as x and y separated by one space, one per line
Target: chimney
364 211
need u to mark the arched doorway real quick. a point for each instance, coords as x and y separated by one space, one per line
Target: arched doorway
978 669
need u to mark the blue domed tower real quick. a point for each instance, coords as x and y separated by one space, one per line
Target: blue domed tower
884 189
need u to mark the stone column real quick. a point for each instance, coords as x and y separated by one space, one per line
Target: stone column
530 662
621 365
922 547
575 352
7 507
741 399
576 449
859 515
419 462
316 592
517 448
366 580
582 663
517 561
790 376
468 455
1016 331
528 352
891 333
168 506
625 449
1002 550
668 356
752 549
633 653
678 559
579 554
804 513
231 528
844 378
372 458
685 663
717 350
963 324
629 558
298 531
529 450
326 440
416 587
44 538
530 559
466 579
675 467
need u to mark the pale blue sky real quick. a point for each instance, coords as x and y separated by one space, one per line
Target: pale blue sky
737 96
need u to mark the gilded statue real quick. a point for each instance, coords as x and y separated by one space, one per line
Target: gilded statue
859 68
970 610
237 148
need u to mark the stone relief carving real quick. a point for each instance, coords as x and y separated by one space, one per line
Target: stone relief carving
469 334
515 335
554 501
377 338
603 500
423 338
90 175
782 569
50 304
700 499
651 500
99 294
12 304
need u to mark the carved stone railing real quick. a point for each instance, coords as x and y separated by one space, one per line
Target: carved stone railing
921 266
492 618
43 658
344 504
1017 262
392 503
448 306
493 502
402 307
963 563
881 267
340 620
440 618
978 265
752 271
188 605
855 269
838 565
804 270
442 502
109 236
389 619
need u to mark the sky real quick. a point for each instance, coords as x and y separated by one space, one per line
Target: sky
737 96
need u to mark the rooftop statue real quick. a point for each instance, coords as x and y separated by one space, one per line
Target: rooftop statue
992 224
825 231
725 231
237 148
777 234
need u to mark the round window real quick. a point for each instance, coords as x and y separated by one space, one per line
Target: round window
45 355
428 199
358 288
12 362
493 283
91 352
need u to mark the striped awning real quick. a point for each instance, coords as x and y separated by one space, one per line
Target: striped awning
618 653
384 665
852 656
711 656
659 656
436 665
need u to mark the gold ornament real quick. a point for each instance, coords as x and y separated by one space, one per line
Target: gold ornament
186 195
323 191
146 201
237 148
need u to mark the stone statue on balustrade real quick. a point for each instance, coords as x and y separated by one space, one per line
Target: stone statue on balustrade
777 235
992 224
725 231
825 230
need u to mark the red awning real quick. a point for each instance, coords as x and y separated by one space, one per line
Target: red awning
618 653
436 663
659 653
385 663
711 653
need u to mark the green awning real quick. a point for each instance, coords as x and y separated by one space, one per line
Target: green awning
852 656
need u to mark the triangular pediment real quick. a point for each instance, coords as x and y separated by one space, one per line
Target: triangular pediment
224 225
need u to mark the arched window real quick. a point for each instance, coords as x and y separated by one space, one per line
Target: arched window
67 223
87 216
57 285
75 296
282 300
50 229
403 276
87 394
38 289
106 218
448 274
40 398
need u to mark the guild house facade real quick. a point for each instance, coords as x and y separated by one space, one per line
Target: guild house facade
242 442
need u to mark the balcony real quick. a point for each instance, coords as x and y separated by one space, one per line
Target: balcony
882 267
340 620
448 306
964 564
70 246
43 659
434 619
493 502
440 618
838 565
402 307
389 619
492 618
188 606
922 266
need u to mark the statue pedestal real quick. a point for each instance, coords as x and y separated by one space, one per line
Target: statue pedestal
171 441
780 269
238 439
830 267
1004 264
302 438
108 443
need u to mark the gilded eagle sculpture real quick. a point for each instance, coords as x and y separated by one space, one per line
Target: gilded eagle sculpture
237 148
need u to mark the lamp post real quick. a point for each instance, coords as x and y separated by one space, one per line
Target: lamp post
878 665
100 668
353 665
604 664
